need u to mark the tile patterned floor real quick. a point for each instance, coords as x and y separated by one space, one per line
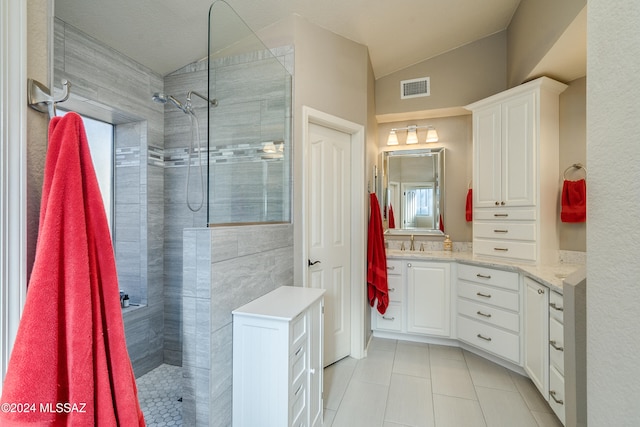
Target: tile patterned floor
399 384
159 392
403 384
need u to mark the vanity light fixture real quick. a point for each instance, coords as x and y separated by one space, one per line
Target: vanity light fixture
393 138
412 134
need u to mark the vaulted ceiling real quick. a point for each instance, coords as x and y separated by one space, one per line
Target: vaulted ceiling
164 35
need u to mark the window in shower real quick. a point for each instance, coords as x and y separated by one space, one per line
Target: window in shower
100 139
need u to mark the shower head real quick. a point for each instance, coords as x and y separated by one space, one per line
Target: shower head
163 98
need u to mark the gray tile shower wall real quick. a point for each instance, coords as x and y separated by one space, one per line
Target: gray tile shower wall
224 268
238 126
109 86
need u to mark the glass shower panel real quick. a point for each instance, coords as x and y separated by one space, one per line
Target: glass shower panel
249 131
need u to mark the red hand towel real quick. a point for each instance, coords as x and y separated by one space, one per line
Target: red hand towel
468 212
70 359
441 224
574 201
377 286
392 218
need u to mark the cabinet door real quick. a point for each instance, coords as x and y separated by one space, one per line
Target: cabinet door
315 364
518 151
536 333
429 298
487 187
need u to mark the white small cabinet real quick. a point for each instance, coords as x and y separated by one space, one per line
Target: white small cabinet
536 332
277 359
429 298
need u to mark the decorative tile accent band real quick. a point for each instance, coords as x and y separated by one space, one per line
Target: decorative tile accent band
232 153
127 156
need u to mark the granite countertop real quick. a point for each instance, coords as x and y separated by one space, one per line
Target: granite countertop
551 275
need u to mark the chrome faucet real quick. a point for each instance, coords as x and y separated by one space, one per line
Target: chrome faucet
412 247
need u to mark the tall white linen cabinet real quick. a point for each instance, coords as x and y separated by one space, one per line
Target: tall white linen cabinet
277 359
516 180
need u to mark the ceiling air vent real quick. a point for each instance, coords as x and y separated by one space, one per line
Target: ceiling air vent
415 88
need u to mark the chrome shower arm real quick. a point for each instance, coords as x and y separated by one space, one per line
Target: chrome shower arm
213 102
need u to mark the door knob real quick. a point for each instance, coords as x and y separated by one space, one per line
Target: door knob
313 263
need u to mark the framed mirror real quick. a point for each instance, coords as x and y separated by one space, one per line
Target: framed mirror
412 191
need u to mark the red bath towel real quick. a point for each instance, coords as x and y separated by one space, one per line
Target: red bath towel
441 224
392 218
468 211
69 365
377 285
574 201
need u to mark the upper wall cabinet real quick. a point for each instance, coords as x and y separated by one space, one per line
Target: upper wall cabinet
516 172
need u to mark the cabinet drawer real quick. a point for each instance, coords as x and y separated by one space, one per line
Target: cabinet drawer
504 214
501 343
556 393
298 364
299 330
523 251
505 230
391 320
491 315
394 283
489 276
394 266
487 295
556 344
298 404
556 307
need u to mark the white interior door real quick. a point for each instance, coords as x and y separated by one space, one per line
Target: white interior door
329 233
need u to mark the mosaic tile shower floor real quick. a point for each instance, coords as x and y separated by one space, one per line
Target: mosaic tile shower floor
160 395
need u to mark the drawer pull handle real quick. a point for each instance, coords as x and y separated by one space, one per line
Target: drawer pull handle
312 371
555 306
501 215
483 314
500 231
553 344
388 318
483 338
392 289
391 268
501 249
553 396
298 351
480 294
483 276
298 390
540 291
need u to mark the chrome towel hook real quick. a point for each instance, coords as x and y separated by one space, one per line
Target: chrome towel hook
40 99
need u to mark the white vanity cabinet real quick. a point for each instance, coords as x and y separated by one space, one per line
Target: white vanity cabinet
536 332
277 359
429 298
392 319
544 343
489 310
515 172
557 395
419 300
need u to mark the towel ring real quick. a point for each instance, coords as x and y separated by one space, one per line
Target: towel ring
574 166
